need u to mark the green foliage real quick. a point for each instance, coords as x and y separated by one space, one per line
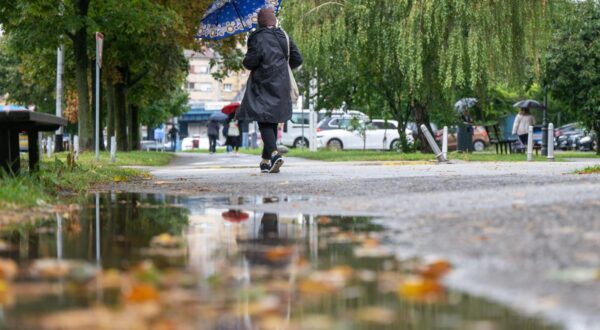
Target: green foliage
573 63
416 57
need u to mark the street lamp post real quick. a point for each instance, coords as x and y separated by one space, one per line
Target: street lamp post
545 124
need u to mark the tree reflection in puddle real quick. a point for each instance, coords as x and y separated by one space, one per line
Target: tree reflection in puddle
153 261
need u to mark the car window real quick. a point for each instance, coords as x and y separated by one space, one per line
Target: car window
384 125
300 118
344 123
334 122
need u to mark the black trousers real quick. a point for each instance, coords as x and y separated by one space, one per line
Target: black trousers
212 140
524 138
268 132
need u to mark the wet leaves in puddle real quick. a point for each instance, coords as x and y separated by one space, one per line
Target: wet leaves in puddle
215 269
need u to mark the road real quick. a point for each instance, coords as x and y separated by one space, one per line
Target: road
525 234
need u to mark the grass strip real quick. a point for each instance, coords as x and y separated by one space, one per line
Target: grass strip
56 178
589 170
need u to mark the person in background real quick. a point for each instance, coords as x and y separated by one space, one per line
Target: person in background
173 137
233 137
213 136
521 126
268 98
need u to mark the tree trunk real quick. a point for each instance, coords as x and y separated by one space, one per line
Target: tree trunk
134 129
121 116
597 130
110 111
422 118
81 76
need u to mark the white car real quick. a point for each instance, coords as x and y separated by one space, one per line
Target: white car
379 136
295 132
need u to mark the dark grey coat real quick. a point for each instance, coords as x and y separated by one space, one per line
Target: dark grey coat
267 98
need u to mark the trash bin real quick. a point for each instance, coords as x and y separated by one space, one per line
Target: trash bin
464 138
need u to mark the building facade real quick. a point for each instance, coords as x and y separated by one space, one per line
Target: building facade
207 95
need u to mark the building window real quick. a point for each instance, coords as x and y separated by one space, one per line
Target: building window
192 69
191 86
227 87
204 69
206 87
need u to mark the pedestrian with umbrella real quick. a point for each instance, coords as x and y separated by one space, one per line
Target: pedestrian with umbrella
524 119
465 126
268 99
213 130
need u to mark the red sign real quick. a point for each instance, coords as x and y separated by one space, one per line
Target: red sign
99 42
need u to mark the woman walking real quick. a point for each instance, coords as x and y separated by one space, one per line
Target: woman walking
267 99
234 138
521 126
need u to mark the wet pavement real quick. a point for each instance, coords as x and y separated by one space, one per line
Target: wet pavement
524 234
156 261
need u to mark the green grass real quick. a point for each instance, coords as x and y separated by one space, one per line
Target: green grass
56 179
589 170
359 155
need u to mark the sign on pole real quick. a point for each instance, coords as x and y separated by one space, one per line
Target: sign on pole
99 43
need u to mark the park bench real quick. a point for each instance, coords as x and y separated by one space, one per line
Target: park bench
496 137
14 122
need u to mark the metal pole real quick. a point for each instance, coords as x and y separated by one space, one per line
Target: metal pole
113 149
530 144
550 142
445 143
97 102
432 144
545 124
60 57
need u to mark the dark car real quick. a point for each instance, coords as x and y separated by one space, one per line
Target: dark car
588 142
567 136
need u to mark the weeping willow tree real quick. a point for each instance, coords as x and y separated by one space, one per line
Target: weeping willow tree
412 57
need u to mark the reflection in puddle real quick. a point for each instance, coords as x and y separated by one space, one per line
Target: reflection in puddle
153 261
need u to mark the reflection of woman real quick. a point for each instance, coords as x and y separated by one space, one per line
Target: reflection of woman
521 126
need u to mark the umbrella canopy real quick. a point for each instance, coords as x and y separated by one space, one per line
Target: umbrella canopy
529 104
230 108
226 18
463 104
235 216
218 116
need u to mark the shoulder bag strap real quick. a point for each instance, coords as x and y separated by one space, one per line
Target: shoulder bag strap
283 49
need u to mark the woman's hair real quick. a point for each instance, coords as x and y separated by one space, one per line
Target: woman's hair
524 111
266 17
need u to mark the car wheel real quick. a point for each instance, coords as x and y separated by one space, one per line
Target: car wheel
301 143
478 145
395 145
335 144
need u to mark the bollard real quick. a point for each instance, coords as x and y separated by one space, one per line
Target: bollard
530 144
76 147
445 143
432 144
113 149
49 146
550 142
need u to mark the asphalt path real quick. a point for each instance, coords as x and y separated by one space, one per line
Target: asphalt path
525 234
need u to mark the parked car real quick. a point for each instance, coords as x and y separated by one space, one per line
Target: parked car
481 138
588 142
295 130
378 136
567 136
151 145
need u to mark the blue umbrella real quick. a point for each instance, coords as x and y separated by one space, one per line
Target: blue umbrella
218 116
225 18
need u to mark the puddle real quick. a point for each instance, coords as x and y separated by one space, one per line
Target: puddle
154 261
